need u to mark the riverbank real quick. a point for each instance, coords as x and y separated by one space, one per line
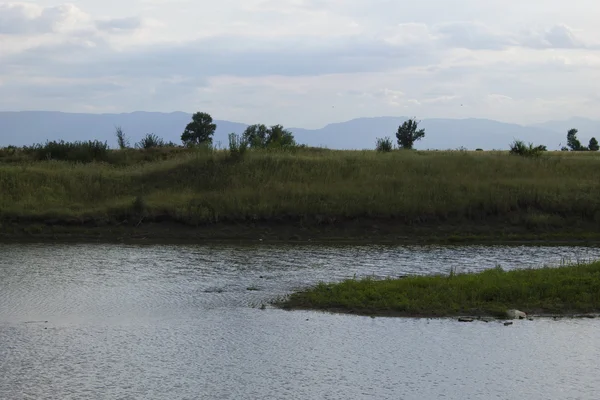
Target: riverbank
354 231
306 194
567 290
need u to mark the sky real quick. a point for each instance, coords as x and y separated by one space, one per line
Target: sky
304 63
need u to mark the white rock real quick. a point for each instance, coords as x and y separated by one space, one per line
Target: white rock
516 314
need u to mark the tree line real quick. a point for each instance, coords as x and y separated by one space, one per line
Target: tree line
408 133
200 131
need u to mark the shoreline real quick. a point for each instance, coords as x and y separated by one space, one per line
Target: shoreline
355 231
482 317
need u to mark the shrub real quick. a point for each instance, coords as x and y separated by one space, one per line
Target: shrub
384 145
237 145
518 147
84 152
150 141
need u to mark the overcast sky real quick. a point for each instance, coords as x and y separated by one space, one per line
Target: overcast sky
304 63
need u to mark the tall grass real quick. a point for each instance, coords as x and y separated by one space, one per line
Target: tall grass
78 151
568 289
202 185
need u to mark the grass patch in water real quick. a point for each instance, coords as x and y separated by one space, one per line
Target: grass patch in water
563 290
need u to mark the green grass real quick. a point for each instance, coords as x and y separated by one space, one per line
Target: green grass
311 186
567 289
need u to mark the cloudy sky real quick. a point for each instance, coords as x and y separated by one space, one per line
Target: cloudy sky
304 63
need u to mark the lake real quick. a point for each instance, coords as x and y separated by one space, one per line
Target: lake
185 322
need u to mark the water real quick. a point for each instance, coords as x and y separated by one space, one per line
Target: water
179 322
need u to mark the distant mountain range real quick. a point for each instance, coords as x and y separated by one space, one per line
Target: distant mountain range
28 127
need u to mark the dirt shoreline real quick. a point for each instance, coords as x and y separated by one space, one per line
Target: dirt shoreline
281 230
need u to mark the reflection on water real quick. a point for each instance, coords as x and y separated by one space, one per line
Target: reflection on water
158 322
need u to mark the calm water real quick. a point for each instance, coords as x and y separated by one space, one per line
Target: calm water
179 322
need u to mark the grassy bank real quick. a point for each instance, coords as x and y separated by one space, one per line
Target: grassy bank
564 290
315 191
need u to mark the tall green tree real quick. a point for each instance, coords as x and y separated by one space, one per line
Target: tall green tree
256 136
280 137
200 130
408 133
259 136
593 146
572 142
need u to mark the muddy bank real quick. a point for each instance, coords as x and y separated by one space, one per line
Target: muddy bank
165 229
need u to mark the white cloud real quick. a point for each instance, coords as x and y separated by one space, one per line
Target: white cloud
302 62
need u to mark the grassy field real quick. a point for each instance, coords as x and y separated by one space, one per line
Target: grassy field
565 290
344 191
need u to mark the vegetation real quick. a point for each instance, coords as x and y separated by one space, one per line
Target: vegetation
237 145
122 140
255 182
80 151
258 136
199 131
574 144
408 133
518 147
394 192
568 289
384 145
150 141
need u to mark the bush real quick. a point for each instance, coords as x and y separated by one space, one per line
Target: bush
84 152
237 145
150 141
518 147
384 145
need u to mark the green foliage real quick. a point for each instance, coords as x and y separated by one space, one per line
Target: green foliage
83 152
572 142
593 146
122 140
200 130
258 136
237 145
384 145
150 141
491 292
518 147
408 133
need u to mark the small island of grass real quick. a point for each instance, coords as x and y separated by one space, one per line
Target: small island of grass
566 290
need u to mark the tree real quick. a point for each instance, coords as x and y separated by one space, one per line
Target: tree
280 137
408 134
256 135
200 130
121 138
593 146
261 137
572 142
